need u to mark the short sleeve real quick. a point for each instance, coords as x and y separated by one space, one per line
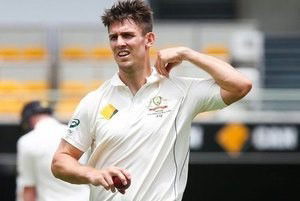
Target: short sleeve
78 133
25 163
204 95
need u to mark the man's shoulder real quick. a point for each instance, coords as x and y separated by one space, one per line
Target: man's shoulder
94 96
186 79
103 87
183 84
178 81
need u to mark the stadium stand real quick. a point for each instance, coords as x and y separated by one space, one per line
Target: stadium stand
101 53
282 62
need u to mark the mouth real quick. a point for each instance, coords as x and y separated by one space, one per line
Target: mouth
123 53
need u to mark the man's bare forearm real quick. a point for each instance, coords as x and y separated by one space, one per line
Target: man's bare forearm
68 169
223 73
233 84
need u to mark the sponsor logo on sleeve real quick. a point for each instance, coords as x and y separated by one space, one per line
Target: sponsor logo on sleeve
74 123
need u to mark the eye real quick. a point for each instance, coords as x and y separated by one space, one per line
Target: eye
127 35
113 38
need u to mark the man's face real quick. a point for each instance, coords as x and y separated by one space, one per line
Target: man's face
128 44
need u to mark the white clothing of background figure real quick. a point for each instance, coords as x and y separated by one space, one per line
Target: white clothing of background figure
34 155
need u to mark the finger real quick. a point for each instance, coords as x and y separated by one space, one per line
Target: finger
110 183
103 183
121 176
165 72
169 67
116 171
158 65
162 67
126 173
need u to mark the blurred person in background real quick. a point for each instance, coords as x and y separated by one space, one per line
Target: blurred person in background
138 123
35 150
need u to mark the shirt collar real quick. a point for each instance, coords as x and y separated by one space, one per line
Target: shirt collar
154 77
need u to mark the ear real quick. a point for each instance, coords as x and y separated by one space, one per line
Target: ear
150 39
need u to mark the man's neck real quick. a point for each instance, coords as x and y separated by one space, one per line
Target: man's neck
136 79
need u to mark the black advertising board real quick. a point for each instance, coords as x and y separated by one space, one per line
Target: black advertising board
245 143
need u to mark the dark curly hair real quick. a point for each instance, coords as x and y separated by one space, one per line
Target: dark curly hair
136 10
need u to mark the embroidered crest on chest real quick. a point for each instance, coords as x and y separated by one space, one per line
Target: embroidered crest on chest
158 106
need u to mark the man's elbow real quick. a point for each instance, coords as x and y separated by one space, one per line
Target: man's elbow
246 87
55 166
241 90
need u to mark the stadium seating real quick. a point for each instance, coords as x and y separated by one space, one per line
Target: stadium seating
34 53
73 53
10 53
15 93
101 53
217 50
84 57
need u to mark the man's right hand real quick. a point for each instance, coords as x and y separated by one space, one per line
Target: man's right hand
65 166
104 177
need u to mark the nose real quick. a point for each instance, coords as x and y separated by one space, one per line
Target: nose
120 41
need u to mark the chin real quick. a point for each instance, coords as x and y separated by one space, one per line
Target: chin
125 66
125 63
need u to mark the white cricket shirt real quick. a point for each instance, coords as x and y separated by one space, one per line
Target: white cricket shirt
147 134
35 151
